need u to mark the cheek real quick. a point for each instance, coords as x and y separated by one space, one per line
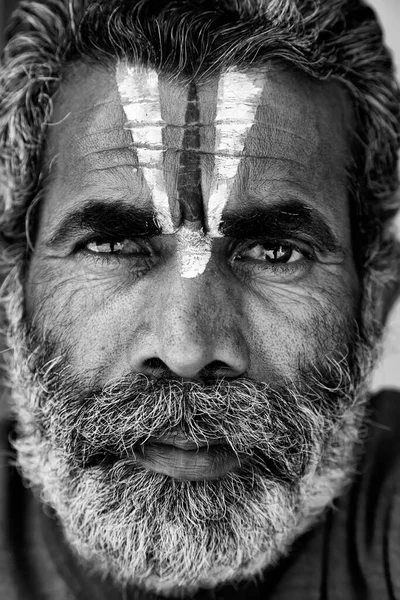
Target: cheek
91 316
101 320
288 325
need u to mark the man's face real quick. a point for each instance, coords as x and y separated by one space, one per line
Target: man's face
200 236
253 306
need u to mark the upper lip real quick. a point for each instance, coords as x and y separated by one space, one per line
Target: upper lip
179 440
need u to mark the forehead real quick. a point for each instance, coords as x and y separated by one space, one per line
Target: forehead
236 139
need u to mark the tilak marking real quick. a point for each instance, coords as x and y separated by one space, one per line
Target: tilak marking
238 97
189 142
140 98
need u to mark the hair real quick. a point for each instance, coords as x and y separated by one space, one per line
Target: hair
339 40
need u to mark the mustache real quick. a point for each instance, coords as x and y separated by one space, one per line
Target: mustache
280 430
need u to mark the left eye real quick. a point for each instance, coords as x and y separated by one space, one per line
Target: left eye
111 247
273 254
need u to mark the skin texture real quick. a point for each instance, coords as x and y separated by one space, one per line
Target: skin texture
121 315
258 352
203 127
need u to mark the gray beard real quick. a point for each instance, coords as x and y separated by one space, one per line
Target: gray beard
296 444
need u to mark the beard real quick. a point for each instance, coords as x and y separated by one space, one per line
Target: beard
76 444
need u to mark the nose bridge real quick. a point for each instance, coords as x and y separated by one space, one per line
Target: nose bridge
197 326
193 312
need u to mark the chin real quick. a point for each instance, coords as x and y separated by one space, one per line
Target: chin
173 537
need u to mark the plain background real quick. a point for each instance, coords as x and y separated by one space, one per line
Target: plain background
388 372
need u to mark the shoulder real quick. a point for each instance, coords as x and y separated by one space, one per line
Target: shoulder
383 447
9 504
379 476
373 522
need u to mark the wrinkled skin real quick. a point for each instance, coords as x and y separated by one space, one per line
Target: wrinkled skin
247 317
269 311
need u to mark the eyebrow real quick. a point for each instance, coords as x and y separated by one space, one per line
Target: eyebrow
116 220
281 220
119 220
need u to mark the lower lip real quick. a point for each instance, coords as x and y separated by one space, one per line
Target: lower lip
189 465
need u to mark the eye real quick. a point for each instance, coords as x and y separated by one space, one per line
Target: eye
271 253
277 253
283 261
115 247
134 255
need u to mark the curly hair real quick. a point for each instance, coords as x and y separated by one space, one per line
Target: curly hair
339 40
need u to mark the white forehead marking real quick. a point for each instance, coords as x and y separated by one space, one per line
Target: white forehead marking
237 101
194 252
140 97
239 95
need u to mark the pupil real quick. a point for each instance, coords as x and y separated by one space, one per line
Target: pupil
281 254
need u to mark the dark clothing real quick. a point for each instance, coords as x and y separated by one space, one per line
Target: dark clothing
352 554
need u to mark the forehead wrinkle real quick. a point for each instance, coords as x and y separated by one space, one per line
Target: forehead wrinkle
253 181
266 141
112 169
114 151
104 136
83 147
258 177
258 189
119 177
110 140
96 119
324 155
290 131
97 106
299 108
106 159
108 194
263 152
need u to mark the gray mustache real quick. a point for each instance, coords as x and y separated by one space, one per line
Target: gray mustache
277 429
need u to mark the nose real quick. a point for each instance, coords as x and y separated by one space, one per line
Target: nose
194 332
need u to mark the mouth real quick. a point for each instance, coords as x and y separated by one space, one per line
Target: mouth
178 457
188 463
184 460
180 441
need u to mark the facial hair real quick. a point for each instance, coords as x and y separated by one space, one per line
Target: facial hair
77 441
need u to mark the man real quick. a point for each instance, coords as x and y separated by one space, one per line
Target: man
197 227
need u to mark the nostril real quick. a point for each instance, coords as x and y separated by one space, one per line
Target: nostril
217 369
156 367
154 363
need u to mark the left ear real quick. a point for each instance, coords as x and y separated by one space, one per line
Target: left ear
391 292
391 295
382 290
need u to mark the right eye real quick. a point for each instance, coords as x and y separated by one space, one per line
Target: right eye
120 247
135 256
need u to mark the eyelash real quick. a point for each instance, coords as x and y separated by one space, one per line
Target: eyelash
247 267
278 269
108 258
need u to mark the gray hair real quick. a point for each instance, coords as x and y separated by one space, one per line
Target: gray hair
337 40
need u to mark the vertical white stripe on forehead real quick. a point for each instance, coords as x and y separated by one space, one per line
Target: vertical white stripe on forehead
237 100
194 252
239 95
139 93
140 96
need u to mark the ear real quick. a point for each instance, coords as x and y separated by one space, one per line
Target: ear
391 292
381 285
